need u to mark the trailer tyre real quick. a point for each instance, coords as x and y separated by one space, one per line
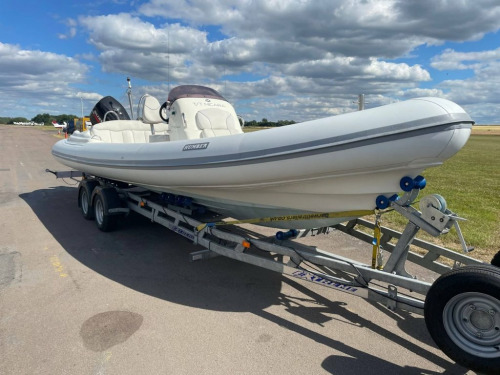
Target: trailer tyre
496 260
462 314
105 199
84 198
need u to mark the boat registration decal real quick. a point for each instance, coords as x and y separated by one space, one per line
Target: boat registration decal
196 146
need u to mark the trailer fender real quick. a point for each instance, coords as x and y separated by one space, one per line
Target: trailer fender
107 206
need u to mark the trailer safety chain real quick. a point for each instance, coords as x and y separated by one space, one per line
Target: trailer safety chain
319 215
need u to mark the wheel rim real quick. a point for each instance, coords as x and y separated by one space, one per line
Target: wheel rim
472 321
84 201
99 211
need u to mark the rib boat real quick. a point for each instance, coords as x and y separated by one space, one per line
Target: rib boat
194 146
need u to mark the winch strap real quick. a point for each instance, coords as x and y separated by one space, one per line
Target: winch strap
376 243
311 216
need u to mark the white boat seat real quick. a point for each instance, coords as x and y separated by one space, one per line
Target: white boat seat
151 110
214 122
125 131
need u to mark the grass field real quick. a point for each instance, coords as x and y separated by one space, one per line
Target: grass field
486 130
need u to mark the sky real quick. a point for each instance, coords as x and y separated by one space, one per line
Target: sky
275 59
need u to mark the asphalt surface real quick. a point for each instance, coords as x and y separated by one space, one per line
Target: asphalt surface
74 300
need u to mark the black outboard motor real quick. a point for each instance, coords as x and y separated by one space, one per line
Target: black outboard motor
106 109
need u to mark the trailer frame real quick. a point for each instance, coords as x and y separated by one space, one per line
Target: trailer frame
465 324
300 261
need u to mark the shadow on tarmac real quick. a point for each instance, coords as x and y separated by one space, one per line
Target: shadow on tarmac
152 260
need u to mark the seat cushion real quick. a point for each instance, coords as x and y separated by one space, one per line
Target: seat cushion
214 122
125 131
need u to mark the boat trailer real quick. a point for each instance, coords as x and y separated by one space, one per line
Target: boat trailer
461 308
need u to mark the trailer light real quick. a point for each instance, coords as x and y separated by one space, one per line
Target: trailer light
246 244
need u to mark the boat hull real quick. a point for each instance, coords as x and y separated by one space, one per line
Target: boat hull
331 165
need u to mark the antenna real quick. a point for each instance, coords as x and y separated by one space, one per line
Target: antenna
83 120
361 102
168 60
129 93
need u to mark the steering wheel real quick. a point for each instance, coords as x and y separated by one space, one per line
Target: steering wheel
163 112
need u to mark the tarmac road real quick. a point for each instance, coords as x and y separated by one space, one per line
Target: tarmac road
74 300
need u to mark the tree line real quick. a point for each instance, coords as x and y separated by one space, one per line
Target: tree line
44 118
47 120
265 123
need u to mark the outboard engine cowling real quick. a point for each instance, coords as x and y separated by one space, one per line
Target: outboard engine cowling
106 109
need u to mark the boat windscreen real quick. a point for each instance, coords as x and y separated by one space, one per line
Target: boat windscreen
193 91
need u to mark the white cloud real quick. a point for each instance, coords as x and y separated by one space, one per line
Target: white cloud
339 66
198 12
389 28
277 57
37 69
341 50
479 93
37 79
450 59
418 93
88 96
449 20
123 31
134 47
397 72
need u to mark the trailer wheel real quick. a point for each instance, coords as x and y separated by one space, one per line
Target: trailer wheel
496 260
84 198
103 200
462 314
